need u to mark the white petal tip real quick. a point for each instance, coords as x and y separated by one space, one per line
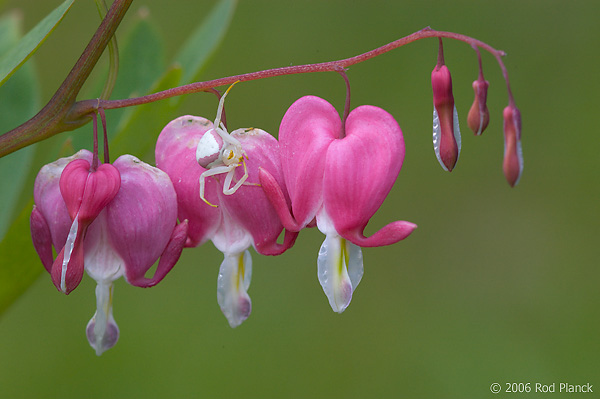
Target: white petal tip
105 339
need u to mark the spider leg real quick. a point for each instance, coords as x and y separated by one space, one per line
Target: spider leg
221 105
231 190
228 138
207 173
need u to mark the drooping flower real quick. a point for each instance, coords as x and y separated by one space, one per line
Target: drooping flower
513 154
446 132
233 215
114 221
340 182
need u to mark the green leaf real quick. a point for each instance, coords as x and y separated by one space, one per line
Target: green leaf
19 263
196 51
20 99
19 53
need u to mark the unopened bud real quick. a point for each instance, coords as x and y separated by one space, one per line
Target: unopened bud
446 133
479 115
513 155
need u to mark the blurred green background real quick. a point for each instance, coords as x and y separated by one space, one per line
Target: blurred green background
496 284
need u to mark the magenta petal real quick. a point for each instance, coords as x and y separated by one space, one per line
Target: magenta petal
101 187
86 193
361 170
176 155
446 132
249 205
142 216
168 258
41 237
72 184
49 201
389 234
277 198
73 271
307 129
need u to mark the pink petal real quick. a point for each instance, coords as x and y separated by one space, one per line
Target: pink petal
168 258
86 193
176 155
249 205
276 196
389 234
41 237
360 172
142 216
49 201
67 277
307 129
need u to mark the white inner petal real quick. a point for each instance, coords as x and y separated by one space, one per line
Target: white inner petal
102 262
339 269
355 263
233 282
520 157
437 133
456 132
102 330
69 245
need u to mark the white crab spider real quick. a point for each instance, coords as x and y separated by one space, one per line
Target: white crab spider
219 152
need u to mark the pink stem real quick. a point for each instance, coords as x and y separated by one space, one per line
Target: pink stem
331 66
346 104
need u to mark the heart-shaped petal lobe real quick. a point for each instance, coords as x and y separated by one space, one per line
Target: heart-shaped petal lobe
307 129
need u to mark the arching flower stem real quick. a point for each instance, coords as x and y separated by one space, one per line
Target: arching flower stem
331 66
61 114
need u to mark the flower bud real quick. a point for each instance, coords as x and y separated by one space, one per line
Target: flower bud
446 133
513 155
479 115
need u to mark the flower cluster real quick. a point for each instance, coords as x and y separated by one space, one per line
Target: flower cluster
239 190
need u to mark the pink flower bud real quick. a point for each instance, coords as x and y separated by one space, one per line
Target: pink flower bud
446 132
513 155
479 115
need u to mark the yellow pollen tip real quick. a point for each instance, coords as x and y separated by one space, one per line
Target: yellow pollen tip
208 203
229 88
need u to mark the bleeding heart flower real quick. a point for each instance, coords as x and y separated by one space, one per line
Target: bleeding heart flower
234 218
114 221
340 181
